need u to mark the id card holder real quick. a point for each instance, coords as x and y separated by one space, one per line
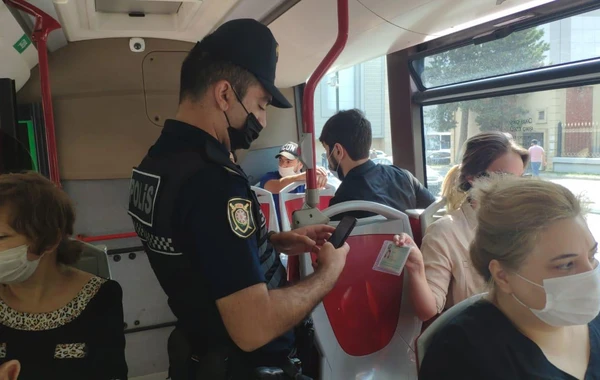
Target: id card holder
391 258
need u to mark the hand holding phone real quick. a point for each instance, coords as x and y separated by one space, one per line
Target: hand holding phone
343 231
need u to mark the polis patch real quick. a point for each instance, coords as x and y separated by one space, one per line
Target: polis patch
241 219
143 191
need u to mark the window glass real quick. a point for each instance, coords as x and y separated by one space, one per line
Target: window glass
363 86
565 122
568 40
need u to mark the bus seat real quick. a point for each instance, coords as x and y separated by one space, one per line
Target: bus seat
267 205
421 219
427 336
94 260
146 306
366 326
414 216
432 213
290 202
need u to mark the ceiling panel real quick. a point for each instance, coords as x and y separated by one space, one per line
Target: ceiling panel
377 27
146 7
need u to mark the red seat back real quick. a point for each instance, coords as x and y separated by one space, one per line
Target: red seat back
364 306
415 225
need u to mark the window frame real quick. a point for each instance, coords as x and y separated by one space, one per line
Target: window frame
546 13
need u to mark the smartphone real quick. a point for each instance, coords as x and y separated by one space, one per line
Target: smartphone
343 230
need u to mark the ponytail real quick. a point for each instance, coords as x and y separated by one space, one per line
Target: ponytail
454 196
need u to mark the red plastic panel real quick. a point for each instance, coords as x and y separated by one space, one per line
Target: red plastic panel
415 226
266 210
364 306
324 201
293 205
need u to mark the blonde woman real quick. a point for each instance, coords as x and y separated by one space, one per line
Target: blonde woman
442 276
540 319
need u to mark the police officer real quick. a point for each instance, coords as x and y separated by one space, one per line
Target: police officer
202 227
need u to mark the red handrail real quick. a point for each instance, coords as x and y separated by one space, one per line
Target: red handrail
44 24
308 115
90 239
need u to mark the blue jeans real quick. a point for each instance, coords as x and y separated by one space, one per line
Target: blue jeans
535 168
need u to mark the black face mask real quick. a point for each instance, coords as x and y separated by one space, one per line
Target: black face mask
242 138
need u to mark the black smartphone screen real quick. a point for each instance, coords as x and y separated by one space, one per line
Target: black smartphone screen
343 230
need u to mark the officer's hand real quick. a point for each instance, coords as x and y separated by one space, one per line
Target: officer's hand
305 239
320 233
331 259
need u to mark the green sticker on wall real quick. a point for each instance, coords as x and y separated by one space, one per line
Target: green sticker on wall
22 44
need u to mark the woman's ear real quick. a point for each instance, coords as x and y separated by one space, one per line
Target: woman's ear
500 276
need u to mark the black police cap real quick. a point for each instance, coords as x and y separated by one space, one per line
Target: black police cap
250 45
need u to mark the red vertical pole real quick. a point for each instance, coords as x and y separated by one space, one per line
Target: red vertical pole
309 91
44 24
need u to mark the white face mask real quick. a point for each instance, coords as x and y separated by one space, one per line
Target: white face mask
570 300
14 266
287 172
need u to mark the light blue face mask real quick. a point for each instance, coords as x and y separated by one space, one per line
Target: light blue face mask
570 300
14 266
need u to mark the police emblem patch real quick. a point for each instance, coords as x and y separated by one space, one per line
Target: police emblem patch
241 218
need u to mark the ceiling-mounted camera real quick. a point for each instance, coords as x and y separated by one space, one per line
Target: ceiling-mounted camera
137 45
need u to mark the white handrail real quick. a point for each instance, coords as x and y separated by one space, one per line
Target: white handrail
376 208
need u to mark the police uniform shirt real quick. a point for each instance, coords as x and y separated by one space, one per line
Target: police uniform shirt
384 184
222 230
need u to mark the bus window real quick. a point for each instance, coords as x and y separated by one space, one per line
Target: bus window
363 86
565 123
561 127
563 41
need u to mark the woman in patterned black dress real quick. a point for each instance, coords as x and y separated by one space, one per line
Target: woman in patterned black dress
57 321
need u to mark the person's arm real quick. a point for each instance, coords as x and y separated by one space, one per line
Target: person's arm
230 267
109 348
431 281
545 163
423 195
276 185
421 295
301 240
255 316
437 263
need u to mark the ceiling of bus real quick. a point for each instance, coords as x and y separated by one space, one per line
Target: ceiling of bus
305 32
377 27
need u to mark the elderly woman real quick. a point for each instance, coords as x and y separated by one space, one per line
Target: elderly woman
57 321
540 319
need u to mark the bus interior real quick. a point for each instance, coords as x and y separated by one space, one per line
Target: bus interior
86 85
